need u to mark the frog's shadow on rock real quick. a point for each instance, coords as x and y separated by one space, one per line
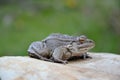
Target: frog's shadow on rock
75 58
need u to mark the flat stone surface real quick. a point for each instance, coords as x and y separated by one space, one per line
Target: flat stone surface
102 66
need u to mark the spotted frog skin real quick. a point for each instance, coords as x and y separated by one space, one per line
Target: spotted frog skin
60 48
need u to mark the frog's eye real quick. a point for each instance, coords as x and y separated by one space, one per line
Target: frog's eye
83 36
82 40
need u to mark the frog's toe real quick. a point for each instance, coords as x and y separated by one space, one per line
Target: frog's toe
65 62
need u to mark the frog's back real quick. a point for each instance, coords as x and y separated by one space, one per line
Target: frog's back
56 39
60 37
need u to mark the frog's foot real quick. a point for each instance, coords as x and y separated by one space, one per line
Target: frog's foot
85 56
61 61
65 62
45 59
32 55
37 56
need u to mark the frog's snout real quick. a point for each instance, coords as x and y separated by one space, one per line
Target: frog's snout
91 41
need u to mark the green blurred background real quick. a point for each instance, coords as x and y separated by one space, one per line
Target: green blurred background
25 21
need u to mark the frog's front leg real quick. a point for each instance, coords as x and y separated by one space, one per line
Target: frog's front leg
58 55
85 55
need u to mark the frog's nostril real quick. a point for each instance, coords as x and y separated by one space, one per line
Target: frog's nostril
91 41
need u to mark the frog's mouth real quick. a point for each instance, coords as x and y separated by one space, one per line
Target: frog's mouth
86 46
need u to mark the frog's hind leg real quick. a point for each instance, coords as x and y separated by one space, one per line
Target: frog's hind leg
37 56
60 61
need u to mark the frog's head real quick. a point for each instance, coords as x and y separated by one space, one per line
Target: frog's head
84 45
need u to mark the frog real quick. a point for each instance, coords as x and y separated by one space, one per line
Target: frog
48 48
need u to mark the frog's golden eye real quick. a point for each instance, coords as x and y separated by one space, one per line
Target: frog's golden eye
82 40
83 37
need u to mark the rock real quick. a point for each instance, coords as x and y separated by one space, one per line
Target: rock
103 66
